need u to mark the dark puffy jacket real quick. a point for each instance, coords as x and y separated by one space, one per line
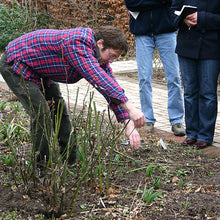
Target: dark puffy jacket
203 40
154 17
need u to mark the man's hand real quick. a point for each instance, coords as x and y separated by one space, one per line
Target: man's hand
133 135
135 115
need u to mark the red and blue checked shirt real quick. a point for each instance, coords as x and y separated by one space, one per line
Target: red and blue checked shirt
65 56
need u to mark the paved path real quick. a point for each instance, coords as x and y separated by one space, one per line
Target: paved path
122 70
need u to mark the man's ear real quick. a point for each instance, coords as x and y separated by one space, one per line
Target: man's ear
100 43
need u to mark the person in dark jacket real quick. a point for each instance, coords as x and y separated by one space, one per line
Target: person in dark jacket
151 24
198 49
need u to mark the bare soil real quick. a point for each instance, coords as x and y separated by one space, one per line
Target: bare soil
189 184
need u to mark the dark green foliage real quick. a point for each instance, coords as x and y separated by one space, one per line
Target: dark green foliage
17 21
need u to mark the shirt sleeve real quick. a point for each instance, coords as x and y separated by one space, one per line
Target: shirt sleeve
176 5
82 59
119 111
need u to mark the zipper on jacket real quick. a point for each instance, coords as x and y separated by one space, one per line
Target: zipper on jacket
151 23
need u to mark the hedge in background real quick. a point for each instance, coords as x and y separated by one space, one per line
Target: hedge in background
18 20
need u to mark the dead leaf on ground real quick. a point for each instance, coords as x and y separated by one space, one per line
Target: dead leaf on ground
175 179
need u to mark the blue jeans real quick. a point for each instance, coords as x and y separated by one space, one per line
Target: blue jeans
145 46
200 96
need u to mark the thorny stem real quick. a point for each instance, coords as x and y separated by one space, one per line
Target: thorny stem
184 165
99 148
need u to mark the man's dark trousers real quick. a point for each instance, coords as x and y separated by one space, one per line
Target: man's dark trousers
42 106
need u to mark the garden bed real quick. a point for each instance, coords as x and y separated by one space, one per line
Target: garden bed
185 181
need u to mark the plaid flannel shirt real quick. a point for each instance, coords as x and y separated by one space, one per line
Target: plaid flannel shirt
65 56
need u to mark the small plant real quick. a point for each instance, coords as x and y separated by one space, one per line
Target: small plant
186 204
149 173
210 174
182 173
181 183
149 196
127 212
11 215
83 207
157 183
150 170
3 105
16 106
13 130
8 160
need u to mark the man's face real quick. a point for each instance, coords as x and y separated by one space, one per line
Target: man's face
107 55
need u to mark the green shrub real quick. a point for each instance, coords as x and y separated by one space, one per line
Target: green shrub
17 21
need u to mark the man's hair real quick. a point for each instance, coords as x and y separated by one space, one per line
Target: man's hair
113 38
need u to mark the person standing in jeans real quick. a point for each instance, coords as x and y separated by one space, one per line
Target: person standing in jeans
198 49
151 24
